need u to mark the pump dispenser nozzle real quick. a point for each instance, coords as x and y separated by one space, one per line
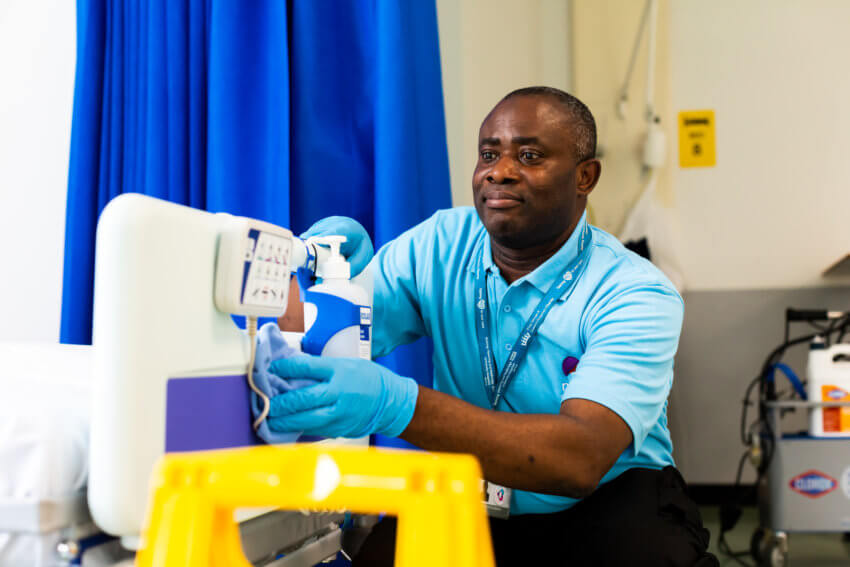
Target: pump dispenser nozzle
334 266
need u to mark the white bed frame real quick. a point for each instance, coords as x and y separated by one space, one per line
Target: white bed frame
154 319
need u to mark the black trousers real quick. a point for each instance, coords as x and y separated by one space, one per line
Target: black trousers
643 517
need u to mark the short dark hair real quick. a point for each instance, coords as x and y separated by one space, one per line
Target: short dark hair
577 113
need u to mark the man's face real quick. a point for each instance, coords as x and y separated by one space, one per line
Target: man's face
525 182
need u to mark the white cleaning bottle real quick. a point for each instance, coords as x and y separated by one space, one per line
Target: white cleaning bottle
337 312
829 381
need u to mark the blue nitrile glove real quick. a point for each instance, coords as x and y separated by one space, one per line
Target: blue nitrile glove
357 247
354 398
272 346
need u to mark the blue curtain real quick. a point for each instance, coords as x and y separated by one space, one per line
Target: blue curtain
284 111
368 133
186 101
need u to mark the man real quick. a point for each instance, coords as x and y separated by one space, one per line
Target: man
553 354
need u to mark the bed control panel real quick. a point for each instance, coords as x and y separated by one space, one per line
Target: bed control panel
253 267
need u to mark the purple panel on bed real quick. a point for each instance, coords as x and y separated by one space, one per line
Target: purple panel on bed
212 412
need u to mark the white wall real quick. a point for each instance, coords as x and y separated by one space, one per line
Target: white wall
37 56
774 212
489 48
604 32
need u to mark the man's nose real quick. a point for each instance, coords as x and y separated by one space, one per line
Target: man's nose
504 172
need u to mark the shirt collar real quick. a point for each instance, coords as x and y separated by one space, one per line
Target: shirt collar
546 273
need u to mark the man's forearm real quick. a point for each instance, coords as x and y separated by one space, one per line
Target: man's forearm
541 453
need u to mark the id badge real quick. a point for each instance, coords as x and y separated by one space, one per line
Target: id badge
498 500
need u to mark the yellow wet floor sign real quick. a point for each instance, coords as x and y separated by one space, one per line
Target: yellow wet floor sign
696 138
436 496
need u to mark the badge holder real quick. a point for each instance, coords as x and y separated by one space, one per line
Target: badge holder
497 498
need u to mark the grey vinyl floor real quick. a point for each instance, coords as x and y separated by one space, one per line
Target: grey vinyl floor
804 550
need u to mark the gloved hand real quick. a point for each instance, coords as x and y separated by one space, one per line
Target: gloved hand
354 398
357 247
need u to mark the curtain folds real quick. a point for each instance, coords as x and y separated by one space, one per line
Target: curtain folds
284 111
182 100
368 131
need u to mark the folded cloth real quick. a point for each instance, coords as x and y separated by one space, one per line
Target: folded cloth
272 346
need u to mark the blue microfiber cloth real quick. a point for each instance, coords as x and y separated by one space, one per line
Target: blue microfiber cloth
272 346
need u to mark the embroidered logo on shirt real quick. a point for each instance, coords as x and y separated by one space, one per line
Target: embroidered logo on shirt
569 365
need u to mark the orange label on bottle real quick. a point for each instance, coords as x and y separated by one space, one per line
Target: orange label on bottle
835 420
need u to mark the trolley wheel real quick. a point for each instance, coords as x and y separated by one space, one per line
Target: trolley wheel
777 558
759 543
777 550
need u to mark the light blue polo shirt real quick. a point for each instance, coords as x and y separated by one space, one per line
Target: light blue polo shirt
621 322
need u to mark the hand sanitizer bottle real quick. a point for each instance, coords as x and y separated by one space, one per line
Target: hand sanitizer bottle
337 312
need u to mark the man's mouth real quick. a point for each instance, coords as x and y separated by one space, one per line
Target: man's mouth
501 200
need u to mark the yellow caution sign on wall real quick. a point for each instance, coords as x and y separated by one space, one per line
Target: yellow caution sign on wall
696 138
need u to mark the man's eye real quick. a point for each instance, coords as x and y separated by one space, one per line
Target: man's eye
487 155
529 156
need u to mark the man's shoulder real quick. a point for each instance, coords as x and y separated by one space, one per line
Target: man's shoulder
449 237
453 227
457 217
625 288
618 269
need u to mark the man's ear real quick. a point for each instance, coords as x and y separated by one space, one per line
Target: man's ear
587 174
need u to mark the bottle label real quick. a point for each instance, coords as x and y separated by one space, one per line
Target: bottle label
835 420
365 346
333 314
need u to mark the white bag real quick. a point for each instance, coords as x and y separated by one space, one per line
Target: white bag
648 219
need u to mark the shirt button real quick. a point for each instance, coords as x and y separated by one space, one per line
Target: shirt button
507 308
508 346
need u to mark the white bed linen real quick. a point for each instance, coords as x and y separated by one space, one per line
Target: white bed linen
44 409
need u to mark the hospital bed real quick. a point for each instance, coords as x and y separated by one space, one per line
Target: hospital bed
82 427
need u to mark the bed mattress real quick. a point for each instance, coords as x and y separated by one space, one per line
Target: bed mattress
44 408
